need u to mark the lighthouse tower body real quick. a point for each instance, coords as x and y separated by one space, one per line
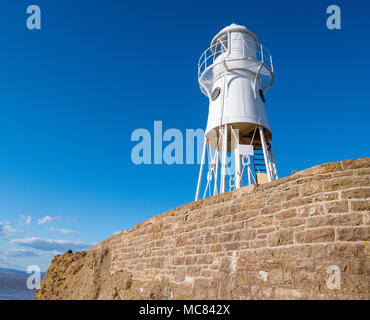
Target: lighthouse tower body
235 73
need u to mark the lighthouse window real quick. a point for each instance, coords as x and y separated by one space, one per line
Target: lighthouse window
221 45
262 96
224 42
216 93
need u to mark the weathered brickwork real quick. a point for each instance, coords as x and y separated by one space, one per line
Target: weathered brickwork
273 241
268 241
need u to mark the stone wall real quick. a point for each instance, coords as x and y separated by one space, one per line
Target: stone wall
300 237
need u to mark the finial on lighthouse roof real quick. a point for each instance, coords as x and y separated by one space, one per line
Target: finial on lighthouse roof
234 28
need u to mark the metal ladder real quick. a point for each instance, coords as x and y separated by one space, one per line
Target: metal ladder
259 161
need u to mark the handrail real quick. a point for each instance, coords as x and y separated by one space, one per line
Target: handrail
207 62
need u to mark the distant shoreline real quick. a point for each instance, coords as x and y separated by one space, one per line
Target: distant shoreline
10 270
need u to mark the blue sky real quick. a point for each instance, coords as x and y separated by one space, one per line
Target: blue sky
72 93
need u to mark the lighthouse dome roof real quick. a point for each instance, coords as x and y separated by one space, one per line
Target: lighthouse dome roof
234 28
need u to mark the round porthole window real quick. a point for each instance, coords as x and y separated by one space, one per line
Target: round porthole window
262 96
215 93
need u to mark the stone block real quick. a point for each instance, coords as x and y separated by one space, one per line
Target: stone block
286 214
280 238
190 260
348 219
233 226
326 197
205 259
260 221
360 205
356 163
226 237
271 209
288 294
336 206
178 260
292 222
257 244
180 275
234 209
319 252
359 193
245 235
345 183
311 210
210 239
315 235
297 202
354 234
311 188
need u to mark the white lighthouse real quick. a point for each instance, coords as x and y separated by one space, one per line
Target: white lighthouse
235 73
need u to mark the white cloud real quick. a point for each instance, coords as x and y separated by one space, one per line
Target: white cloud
62 231
19 253
52 244
25 219
47 219
116 232
7 230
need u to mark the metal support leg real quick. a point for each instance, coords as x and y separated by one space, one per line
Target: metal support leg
215 191
249 170
223 163
201 168
240 171
265 154
273 165
238 178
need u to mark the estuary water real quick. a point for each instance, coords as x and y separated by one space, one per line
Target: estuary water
13 285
